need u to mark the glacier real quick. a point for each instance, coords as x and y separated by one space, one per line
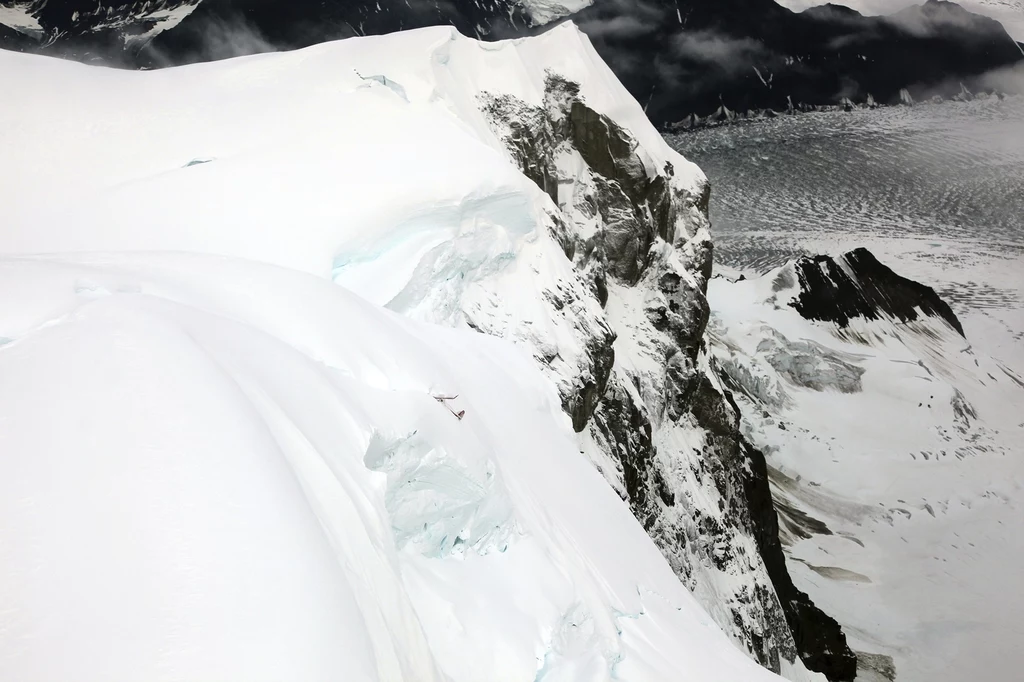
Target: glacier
241 307
892 433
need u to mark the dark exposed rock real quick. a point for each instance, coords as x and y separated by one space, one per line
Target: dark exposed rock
740 474
713 410
819 638
533 137
606 147
625 236
87 28
742 468
764 610
685 315
858 285
623 423
580 404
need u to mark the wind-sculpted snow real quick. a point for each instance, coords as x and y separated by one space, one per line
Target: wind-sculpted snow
218 464
234 443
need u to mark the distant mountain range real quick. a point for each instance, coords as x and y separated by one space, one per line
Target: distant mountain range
679 58
1010 13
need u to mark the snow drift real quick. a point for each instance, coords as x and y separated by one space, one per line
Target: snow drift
219 461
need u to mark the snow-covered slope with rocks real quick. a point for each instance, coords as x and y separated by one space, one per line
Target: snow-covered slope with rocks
250 429
19 17
1010 13
545 11
690 62
893 447
133 21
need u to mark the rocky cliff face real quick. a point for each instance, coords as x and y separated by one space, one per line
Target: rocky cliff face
649 408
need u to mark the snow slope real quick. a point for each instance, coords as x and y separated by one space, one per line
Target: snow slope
318 138
894 449
214 455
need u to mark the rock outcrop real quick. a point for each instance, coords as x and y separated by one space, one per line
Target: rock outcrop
660 425
855 285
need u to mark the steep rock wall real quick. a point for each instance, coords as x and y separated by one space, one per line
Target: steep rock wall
654 417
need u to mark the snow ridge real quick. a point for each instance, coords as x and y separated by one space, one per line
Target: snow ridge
243 358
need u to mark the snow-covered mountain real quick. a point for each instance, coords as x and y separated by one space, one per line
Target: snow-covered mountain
401 357
1010 13
680 58
252 429
893 448
133 22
